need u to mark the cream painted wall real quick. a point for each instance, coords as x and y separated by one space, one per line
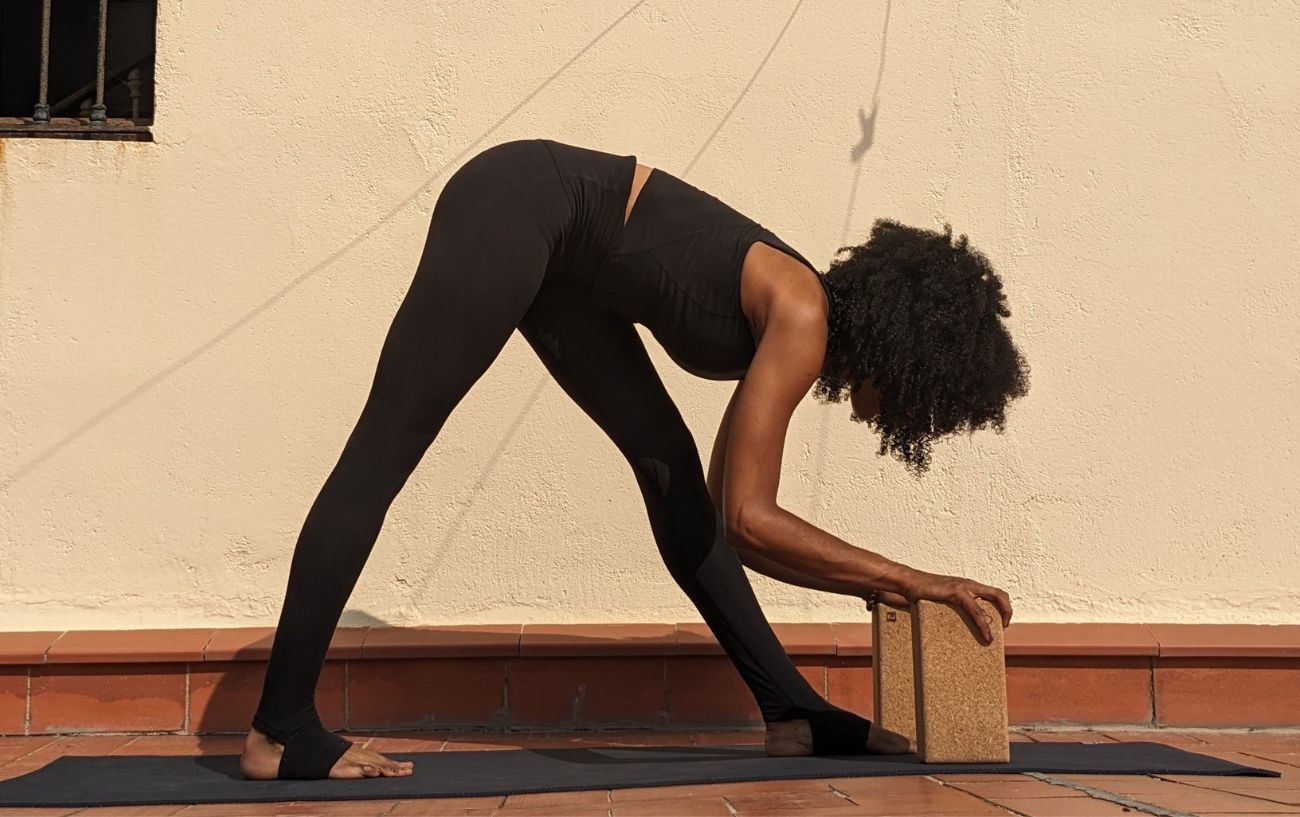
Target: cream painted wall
189 327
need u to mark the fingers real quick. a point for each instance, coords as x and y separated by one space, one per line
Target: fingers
964 594
999 599
976 615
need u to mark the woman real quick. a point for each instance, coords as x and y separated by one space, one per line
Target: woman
571 246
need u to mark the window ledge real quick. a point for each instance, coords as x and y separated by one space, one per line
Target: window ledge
61 127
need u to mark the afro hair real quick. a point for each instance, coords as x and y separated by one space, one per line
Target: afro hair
920 316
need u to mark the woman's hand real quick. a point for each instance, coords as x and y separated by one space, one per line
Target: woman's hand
961 594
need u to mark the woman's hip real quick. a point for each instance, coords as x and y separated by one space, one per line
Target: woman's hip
513 185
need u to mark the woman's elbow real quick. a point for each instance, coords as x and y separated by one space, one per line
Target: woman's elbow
744 527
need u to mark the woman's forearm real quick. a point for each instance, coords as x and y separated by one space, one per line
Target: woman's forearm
761 564
840 567
779 537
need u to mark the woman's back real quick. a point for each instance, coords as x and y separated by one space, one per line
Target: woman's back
675 267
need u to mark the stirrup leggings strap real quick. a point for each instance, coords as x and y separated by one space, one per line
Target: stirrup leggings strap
309 753
837 732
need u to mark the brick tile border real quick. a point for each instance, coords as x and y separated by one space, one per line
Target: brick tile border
205 680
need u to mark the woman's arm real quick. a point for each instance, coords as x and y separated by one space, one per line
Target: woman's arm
750 558
745 468
744 471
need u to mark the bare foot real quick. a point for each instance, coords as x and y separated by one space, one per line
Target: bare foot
794 739
261 761
881 741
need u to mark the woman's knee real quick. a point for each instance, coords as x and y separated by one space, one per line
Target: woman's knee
655 475
668 464
676 494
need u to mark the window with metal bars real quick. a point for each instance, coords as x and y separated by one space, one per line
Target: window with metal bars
77 68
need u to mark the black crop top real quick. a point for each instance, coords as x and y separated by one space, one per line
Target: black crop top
675 266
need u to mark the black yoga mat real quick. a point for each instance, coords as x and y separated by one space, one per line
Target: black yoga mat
138 780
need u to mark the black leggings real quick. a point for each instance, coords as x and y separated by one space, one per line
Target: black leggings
487 270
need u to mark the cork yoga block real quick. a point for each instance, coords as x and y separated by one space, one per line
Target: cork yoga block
893 696
961 686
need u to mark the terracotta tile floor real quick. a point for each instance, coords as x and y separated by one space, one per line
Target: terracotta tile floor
919 795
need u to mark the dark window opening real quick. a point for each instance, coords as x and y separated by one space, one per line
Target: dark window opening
71 93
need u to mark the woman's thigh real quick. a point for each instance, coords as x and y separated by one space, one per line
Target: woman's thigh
484 259
601 363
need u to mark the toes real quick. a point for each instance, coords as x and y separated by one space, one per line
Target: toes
884 741
900 744
376 766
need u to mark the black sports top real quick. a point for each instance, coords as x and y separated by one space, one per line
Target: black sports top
673 268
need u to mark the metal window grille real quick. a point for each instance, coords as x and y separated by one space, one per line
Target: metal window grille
71 91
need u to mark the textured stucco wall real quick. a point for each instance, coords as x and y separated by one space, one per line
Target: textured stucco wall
188 328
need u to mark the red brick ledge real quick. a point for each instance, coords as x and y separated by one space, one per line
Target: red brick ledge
207 680
605 640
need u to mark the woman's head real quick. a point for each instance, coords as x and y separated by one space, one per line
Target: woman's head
917 318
